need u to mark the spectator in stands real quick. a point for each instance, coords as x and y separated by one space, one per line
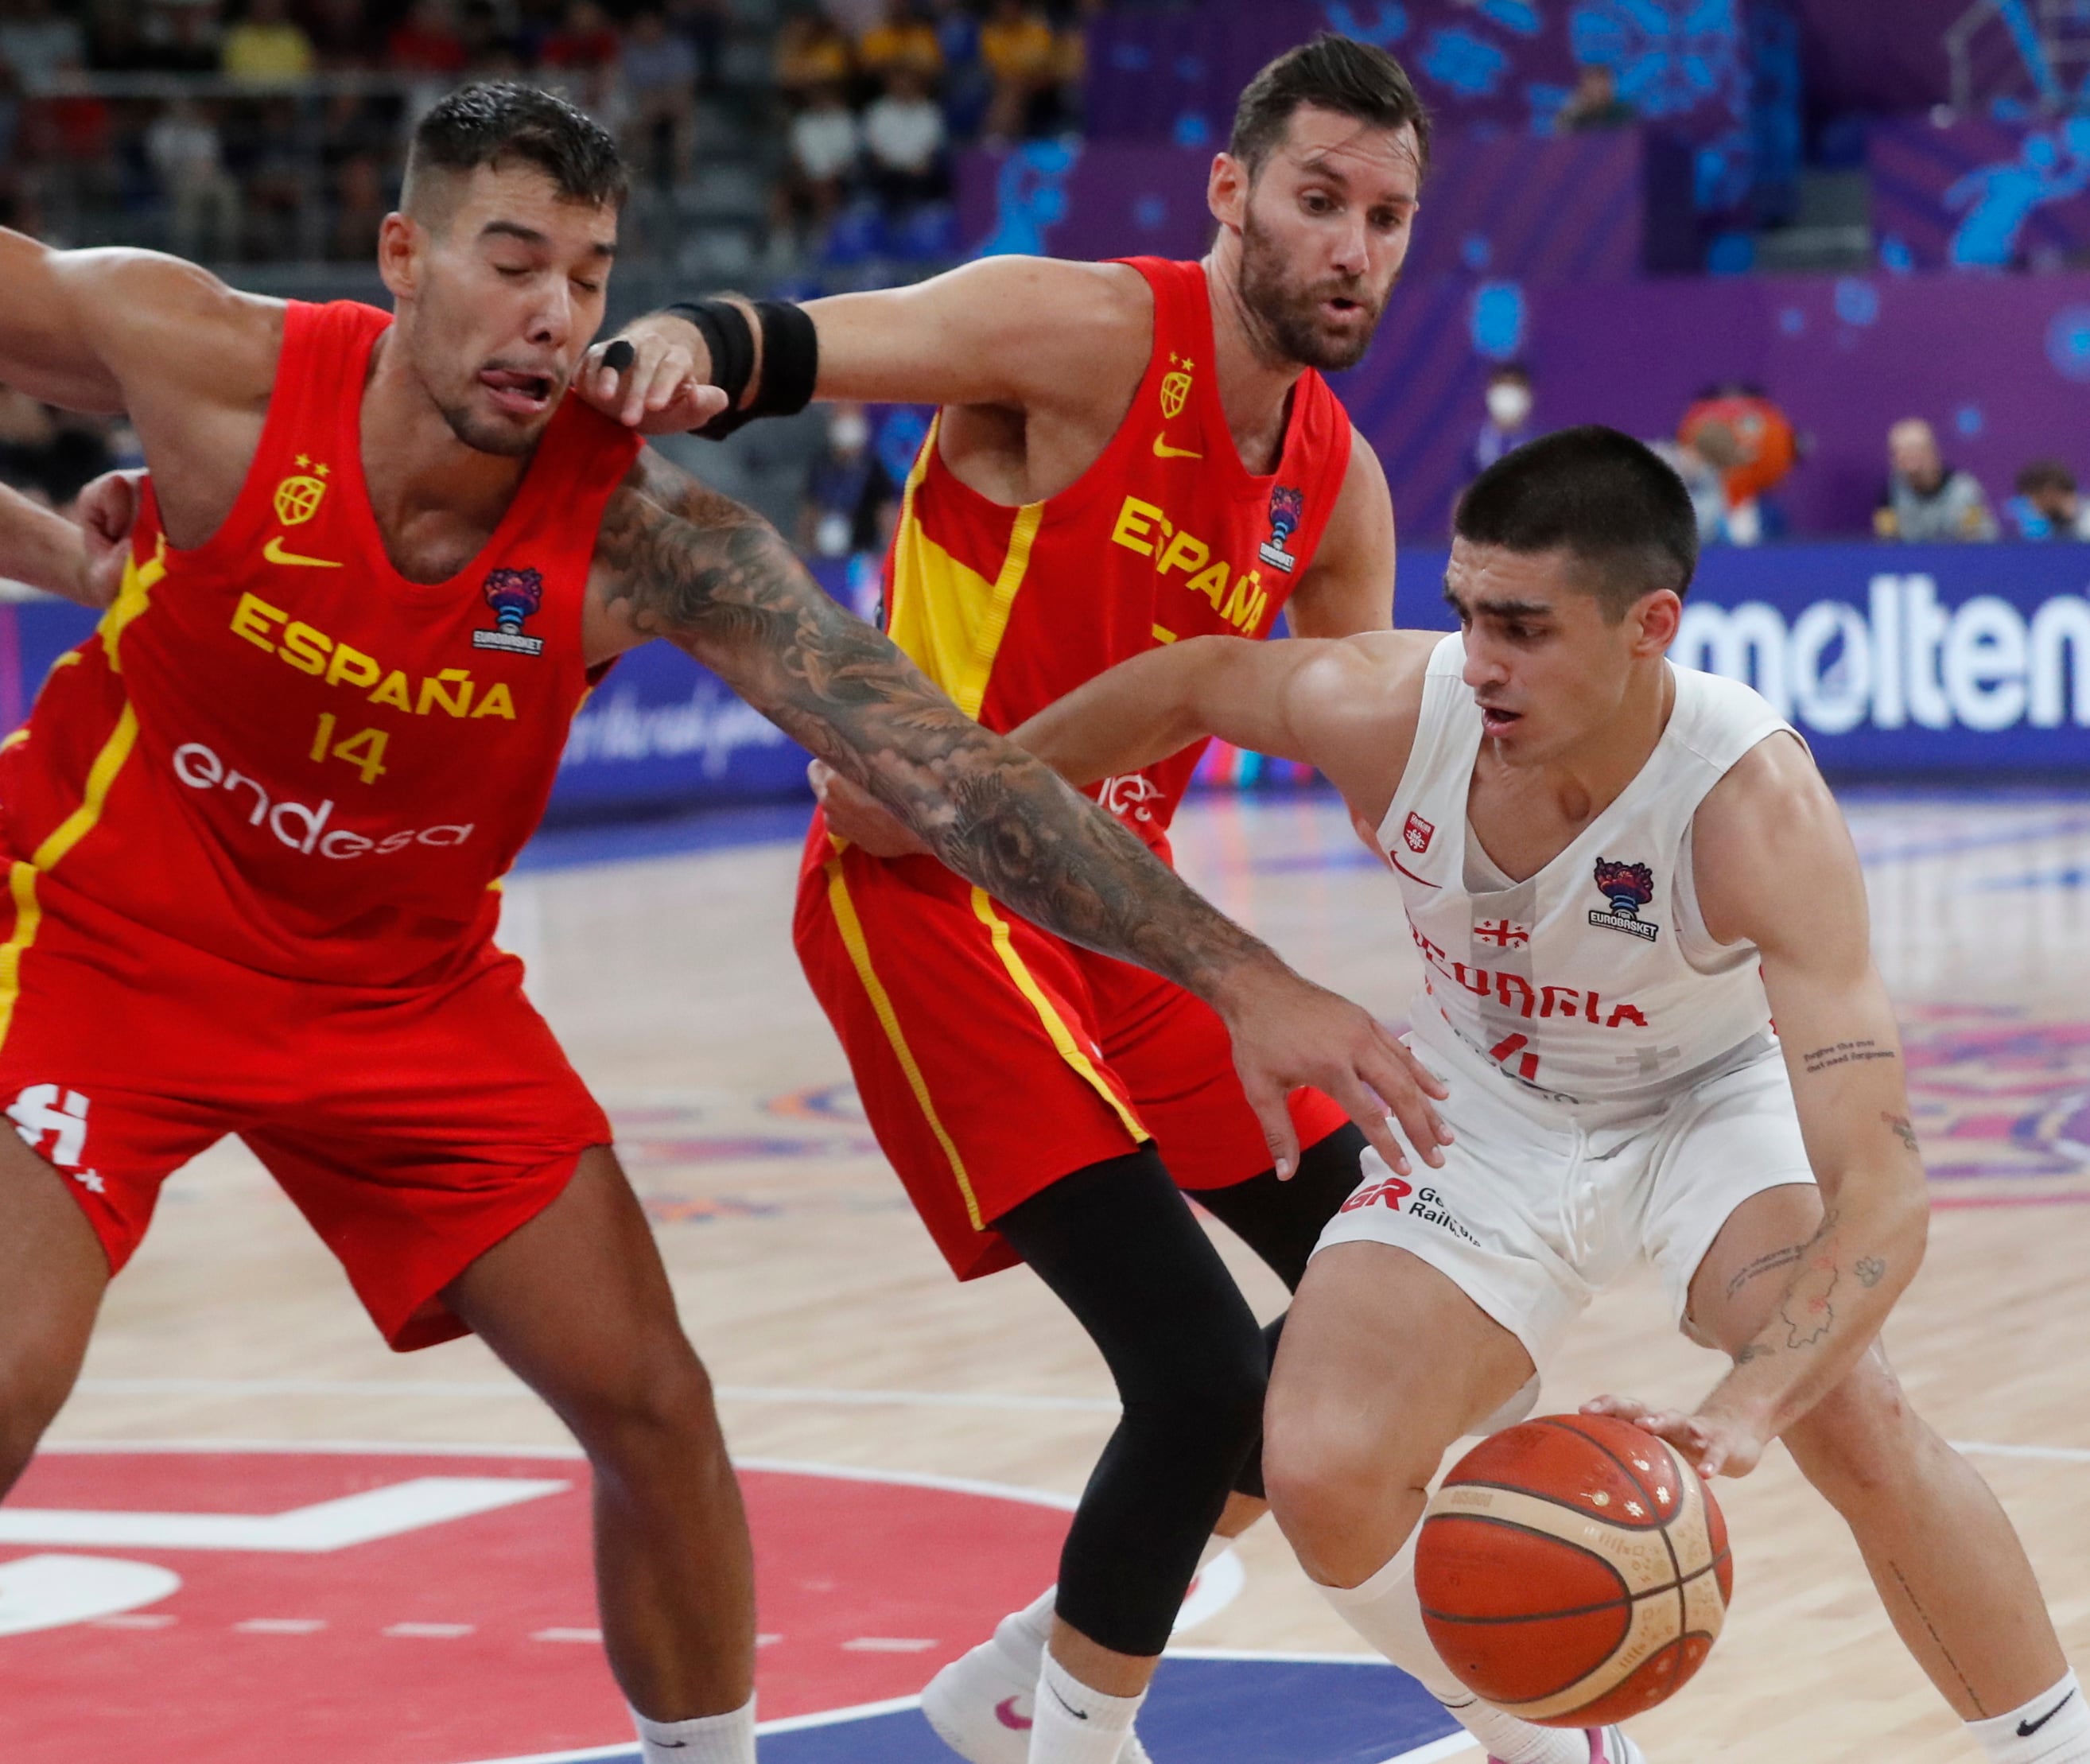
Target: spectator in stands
274 149
426 42
811 53
702 25
1023 59
1928 501
1594 103
268 47
903 139
850 500
188 158
49 454
1509 416
36 40
116 38
2048 504
343 33
660 73
10 112
825 145
359 208
584 56
903 38
967 88
488 52
181 37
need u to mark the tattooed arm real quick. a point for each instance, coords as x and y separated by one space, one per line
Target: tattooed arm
1775 867
675 560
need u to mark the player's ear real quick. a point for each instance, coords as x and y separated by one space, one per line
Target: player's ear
399 242
1656 617
1226 190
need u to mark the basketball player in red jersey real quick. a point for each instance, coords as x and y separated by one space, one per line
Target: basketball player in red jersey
254 826
1127 454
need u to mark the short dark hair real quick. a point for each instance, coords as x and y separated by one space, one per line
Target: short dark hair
1332 73
1608 500
2046 474
497 123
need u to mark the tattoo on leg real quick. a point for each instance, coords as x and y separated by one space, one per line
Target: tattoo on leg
1944 1653
1870 1269
1902 1130
1763 1264
1843 1053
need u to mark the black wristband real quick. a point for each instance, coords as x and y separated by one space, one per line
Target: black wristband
730 338
790 360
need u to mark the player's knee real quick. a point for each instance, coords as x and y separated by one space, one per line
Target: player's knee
1332 1483
1859 1441
659 1400
1207 1403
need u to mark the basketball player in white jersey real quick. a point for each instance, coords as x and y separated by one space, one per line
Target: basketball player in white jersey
1617 871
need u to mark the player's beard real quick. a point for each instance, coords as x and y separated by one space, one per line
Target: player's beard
487 434
1289 311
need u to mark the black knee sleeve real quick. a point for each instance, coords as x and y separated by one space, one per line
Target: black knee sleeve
1118 1245
1281 1222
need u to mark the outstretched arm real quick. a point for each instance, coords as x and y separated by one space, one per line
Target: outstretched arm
675 560
41 548
1770 820
1018 333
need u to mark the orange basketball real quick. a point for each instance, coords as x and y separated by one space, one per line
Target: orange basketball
1573 1571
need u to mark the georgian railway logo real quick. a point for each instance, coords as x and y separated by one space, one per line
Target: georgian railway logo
515 594
299 496
1629 886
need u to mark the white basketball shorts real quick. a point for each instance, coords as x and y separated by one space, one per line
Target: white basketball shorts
1542 1202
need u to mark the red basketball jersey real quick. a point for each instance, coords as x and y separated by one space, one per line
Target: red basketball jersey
1166 535
279 749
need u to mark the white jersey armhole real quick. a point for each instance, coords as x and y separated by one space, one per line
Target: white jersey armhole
1448 658
1697 944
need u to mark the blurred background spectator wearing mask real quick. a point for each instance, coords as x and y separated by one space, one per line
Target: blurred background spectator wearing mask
850 500
1928 502
2049 504
1509 415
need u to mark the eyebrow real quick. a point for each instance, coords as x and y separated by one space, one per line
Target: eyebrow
1499 608
529 235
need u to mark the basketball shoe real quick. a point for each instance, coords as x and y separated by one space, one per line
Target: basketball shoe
980 1704
1607 1746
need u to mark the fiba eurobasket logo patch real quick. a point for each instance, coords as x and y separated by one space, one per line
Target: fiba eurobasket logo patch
1629 886
515 594
1287 509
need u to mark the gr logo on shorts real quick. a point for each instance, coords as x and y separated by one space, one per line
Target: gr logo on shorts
1429 1207
44 1113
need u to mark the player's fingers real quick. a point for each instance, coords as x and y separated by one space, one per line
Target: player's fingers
611 361
1375 1121
1403 1101
704 403
819 774
637 379
1618 1407
1426 1080
1267 1100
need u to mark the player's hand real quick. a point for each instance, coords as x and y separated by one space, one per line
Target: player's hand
855 815
649 378
1714 1443
106 511
1287 1032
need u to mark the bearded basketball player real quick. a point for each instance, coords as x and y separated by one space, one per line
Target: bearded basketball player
1127 454
255 826
1595 849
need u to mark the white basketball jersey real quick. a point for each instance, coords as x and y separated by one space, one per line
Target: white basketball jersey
1595 980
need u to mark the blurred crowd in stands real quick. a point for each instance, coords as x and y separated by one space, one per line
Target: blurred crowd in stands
274 129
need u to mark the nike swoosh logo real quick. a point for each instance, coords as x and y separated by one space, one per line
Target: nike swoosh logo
2026 1729
274 553
1163 450
1079 1715
1004 1712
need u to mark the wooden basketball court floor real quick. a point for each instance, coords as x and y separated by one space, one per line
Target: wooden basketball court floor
839 1343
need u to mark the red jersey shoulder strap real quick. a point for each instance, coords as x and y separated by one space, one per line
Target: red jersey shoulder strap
311 424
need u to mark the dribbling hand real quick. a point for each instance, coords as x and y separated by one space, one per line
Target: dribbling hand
1714 1444
647 379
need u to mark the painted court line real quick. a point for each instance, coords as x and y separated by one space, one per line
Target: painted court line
733 1393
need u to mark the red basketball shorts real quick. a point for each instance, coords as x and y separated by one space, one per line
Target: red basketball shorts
994 1059
415 1127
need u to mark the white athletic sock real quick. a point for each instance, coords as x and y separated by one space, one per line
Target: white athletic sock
1387 1613
2053 1728
1075 1724
1023 1634
728 1738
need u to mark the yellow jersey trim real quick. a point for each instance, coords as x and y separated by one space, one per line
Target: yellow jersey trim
1055 1025
946 616
131 599
22 877
881 1002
